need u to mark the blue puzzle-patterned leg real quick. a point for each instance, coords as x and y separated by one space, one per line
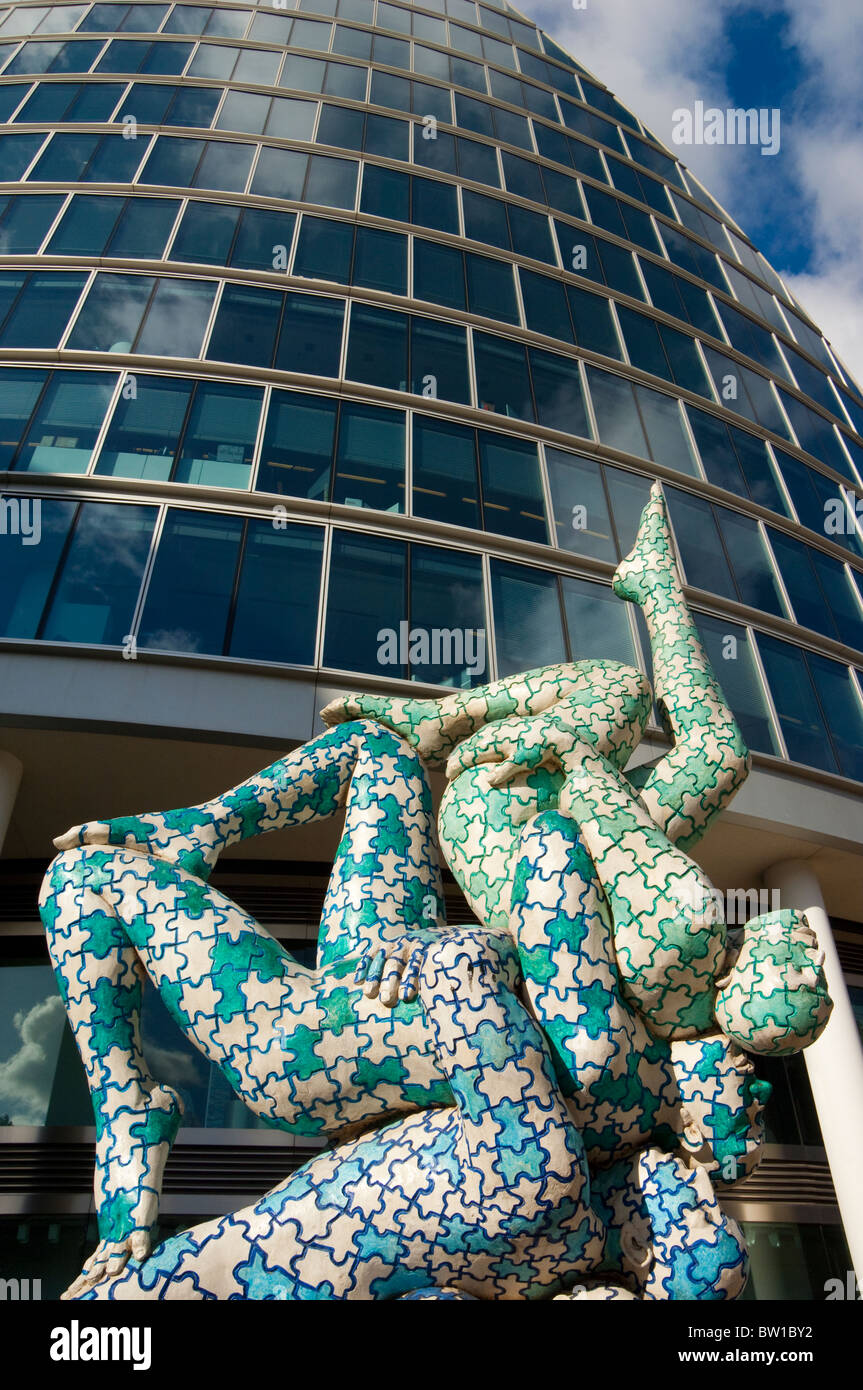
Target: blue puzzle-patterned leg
386 876
309 1051
487 1198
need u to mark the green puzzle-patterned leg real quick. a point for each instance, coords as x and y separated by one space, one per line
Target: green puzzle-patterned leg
685 791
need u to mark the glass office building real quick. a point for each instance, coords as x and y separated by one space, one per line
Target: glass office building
316 322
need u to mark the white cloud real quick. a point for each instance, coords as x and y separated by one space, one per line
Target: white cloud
27 1076
663 55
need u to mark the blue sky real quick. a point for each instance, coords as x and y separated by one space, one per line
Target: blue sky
802 207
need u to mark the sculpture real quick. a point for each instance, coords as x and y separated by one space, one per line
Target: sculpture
515 1109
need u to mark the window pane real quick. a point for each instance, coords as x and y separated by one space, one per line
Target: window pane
26 222
96 596
172 161
843 604
716 450
385 193
617 419
177 318
502 382
591 315
276 614
311 336
439 360
794 698
64 429
19 392
749 561
331 182
280 173
444 472
220 437
439 274
629 493
527 622
511 489
206 233
296 458
804 591
40 316
434 205
366 596
86 225
380 260
189 597
246 325
841 705
377 347
737 674
27 569
490 288
225 166
760 478
143 435
144 227
264 239
597 622
664 428
447 618
698 543
324 249
578 501
545 305
558 392
370 463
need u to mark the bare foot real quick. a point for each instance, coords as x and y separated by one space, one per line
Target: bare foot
188 838
131 1154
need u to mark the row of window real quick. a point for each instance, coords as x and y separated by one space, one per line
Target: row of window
187 162
233 23
24 222
266 67
495 47
250 588
166 428
387 348
294 331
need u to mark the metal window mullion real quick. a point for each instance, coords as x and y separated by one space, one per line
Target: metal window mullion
211 321
777 572
488 609
545 487
106 419
323 594
146 577
258 447
76 312
775 722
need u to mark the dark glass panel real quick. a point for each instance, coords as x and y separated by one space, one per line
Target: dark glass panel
366 595
370 458
220 437
444 472
297 453
95 598
527 620
189 596
276 613
145 429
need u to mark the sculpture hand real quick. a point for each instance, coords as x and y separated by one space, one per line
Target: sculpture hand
522 745
392 973
109 1258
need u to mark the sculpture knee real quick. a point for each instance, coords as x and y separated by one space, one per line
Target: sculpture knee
773 995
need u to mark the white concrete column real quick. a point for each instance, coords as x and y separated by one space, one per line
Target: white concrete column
10 780
835 1061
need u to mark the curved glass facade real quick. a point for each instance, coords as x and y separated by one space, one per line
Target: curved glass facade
445 278
325 320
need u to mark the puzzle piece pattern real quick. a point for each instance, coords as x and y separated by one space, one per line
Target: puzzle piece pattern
543 1097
